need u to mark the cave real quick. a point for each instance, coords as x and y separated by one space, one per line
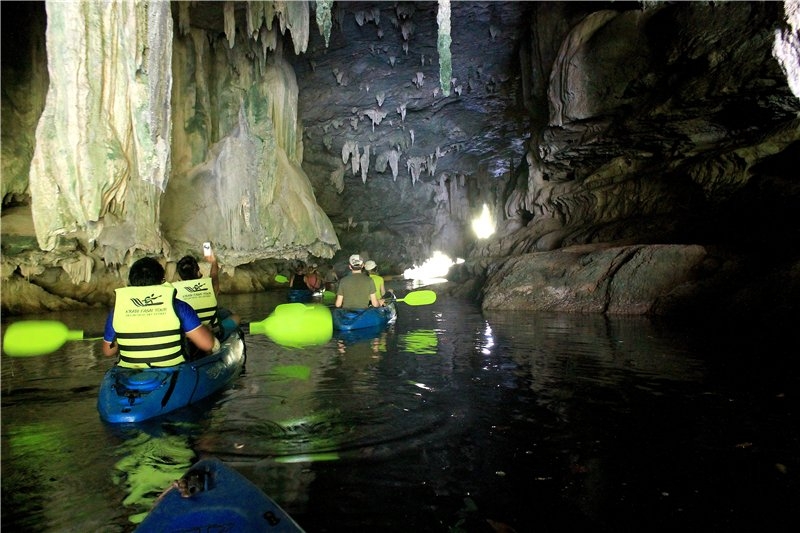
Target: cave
640 154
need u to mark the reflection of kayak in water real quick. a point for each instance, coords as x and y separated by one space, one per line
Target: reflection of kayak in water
136 394
348 319
214 497
354 336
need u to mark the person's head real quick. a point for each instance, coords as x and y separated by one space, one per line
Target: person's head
300 268
356 263
146 271
370 265
188 268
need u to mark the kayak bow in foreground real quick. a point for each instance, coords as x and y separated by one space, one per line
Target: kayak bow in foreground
212 496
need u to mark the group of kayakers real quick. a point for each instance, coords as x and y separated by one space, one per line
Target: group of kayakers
152 319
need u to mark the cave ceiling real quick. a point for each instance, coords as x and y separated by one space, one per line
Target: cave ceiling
377 49
374 94
550 102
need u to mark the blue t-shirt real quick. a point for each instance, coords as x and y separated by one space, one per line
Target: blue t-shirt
188 317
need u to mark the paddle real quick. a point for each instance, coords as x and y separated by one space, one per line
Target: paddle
293 324
297 325
422 297
39 337
280 278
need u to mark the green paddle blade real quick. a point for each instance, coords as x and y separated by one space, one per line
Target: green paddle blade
280 278
29 338
297 325
423 297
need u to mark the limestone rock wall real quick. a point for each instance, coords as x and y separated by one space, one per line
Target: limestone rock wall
25 81
237 178
151 141
660 115
102 153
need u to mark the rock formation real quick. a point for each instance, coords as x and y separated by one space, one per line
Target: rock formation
644 134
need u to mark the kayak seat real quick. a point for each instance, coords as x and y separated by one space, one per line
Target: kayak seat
143 381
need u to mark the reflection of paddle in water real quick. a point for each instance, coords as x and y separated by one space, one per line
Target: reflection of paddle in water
150 464
420 341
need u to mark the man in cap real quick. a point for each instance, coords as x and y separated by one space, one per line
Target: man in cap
356 291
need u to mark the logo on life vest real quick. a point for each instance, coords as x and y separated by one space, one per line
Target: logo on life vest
198 287
147 301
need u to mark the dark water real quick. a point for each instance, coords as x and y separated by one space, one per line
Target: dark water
452 420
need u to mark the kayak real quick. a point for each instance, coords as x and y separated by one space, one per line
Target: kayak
300 295
212 496
137 394
371 317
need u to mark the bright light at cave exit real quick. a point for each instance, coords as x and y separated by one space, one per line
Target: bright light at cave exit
434 270
483 226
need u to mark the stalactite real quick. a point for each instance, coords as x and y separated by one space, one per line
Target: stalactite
394 159
183 17
415 165
355 161
297 21
230 23
364 161
80 269
348 149
269 40
324 19
255 16
376 116
443 45
99 158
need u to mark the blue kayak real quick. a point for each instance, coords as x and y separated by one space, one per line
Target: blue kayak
214 497
300 295
371 317
137 394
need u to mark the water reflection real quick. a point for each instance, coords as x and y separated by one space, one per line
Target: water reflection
450 419
150 462
419 341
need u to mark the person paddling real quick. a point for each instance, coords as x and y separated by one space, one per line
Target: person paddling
357 290
148 324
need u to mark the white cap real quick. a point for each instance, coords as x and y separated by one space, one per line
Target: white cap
355 260
369 265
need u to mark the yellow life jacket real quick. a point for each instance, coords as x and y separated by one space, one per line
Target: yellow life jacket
378 281
199 293
148 328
